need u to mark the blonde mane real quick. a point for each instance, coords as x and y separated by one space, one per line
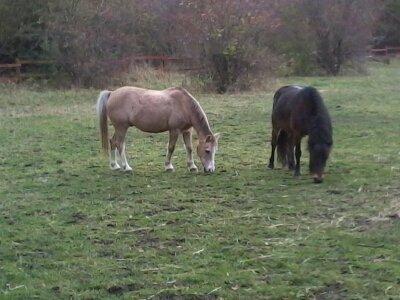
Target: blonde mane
198 112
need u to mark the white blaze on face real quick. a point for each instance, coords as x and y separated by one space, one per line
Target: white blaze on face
206 152
210 165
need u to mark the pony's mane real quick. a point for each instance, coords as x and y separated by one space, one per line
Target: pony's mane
197 111
320 127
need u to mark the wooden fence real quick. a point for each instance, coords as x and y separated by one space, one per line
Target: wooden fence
17 65
387 51
162 60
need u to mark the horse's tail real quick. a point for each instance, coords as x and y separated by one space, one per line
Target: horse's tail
102 113
277 94
282 146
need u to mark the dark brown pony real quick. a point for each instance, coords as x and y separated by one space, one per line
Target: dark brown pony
297 112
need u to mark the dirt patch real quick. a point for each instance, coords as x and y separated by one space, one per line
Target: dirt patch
171 296
120 289
333 291
102 242
77 217
145 238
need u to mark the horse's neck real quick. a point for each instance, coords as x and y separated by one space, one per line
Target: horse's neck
321 127
199 119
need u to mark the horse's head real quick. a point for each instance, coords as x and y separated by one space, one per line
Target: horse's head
206 151
319 154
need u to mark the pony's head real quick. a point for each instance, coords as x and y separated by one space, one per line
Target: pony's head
319 153
206 150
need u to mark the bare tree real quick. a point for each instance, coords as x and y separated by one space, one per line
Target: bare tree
342 30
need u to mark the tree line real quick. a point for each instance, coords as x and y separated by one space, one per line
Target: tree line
232 41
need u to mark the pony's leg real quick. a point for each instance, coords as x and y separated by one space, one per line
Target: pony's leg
173 137
120 134
124 162
273 147
187 139
113 154
298 155
290 154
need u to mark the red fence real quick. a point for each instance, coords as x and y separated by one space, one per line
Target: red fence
385 51
162 60
157 61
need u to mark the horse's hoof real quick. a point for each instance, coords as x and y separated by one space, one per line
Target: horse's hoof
270 166
169 169
318 180
126 169
115 166
193 169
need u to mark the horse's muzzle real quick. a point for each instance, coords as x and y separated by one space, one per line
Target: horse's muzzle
318 178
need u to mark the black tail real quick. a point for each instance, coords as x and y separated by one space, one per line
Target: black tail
278 93
281 147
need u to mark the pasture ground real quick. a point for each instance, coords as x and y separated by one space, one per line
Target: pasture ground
70 227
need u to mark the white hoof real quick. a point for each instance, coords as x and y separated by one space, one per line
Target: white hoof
114 166
126 168
193 168
169 168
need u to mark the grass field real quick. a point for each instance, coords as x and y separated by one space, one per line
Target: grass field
72 228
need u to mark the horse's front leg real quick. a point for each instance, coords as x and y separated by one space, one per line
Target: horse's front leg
187 139
173 137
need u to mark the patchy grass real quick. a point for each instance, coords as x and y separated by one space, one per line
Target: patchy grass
70 227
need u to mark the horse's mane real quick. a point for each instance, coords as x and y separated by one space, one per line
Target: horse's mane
197 111
320 126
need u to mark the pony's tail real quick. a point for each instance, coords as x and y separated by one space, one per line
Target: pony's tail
281 147
102 113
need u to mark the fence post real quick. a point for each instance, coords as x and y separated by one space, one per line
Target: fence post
18 69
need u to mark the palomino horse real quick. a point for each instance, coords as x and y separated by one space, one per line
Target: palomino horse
297 112
173 110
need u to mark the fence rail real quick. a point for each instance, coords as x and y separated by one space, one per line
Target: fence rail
158 60
385 51
163 60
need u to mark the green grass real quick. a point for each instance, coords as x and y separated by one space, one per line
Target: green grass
70 227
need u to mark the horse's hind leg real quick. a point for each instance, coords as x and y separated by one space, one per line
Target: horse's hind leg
290 153
173 137
290 156
119 135
298 155
273 147
187 139
113 154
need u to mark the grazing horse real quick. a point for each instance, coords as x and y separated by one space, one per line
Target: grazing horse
297 112
173 110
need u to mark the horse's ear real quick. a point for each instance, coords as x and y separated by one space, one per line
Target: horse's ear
217 136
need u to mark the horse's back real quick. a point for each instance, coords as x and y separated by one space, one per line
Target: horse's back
142 96
285 93
282 108
148 110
